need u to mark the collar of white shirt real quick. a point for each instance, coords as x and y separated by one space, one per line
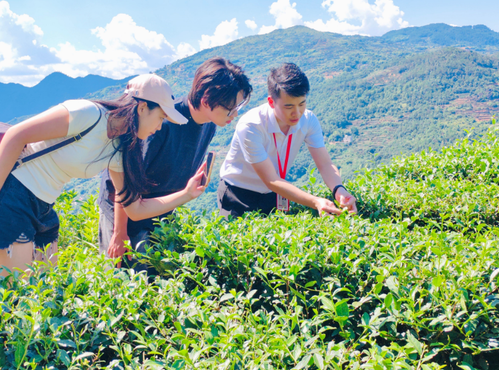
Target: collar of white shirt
274 126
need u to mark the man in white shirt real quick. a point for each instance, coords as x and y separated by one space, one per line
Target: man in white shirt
264 146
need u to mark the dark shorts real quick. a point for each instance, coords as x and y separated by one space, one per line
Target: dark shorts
24 218
235 201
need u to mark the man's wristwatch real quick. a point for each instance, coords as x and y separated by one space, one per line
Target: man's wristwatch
335 189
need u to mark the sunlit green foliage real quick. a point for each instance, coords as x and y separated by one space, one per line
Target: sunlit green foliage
409 283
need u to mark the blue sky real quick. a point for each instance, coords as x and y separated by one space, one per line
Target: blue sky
121 38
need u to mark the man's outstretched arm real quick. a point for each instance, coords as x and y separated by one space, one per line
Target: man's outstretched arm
331 176
267 173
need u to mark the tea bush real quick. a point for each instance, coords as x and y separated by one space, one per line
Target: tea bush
455 189
409 283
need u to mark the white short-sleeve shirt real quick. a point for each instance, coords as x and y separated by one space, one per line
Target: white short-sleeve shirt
253 142
46 175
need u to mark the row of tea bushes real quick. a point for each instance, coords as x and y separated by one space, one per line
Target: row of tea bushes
403 285
366 283
454 189
332 293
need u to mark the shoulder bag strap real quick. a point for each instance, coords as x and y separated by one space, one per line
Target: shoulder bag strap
52 148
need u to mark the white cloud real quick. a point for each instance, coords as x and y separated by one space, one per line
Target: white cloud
266 29
225 32
251 24
123 33
184 50
127 49
12 21
351 17
285 15
21 50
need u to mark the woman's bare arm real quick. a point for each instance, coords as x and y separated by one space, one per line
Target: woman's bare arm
51 124
153 207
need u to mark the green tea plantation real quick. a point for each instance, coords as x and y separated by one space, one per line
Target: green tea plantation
410 282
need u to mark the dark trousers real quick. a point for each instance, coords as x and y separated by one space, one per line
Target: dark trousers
234 201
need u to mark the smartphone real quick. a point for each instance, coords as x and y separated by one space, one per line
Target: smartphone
210 161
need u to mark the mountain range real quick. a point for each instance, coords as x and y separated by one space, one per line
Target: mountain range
478 38
376 97
20 101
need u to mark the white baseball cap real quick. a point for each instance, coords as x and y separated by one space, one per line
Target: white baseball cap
153 88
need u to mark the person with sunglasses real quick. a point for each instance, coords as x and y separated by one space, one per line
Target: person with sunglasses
173 155
266 142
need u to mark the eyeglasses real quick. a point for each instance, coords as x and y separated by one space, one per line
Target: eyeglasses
237 108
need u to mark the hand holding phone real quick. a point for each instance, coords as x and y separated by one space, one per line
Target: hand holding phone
210 161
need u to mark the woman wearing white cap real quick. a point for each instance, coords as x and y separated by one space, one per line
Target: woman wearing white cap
91 136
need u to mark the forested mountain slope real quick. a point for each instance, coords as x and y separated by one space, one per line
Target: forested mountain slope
478 38
386 96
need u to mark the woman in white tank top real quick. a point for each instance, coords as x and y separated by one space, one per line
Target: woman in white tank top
27 193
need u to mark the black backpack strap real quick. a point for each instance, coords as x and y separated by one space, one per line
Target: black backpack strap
52 148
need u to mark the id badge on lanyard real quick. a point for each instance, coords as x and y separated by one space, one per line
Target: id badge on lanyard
283 203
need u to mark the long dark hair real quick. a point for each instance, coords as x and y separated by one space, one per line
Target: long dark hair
124 109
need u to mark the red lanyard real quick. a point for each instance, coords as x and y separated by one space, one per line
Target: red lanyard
282 172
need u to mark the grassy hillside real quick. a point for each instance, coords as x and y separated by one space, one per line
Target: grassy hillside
411 282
